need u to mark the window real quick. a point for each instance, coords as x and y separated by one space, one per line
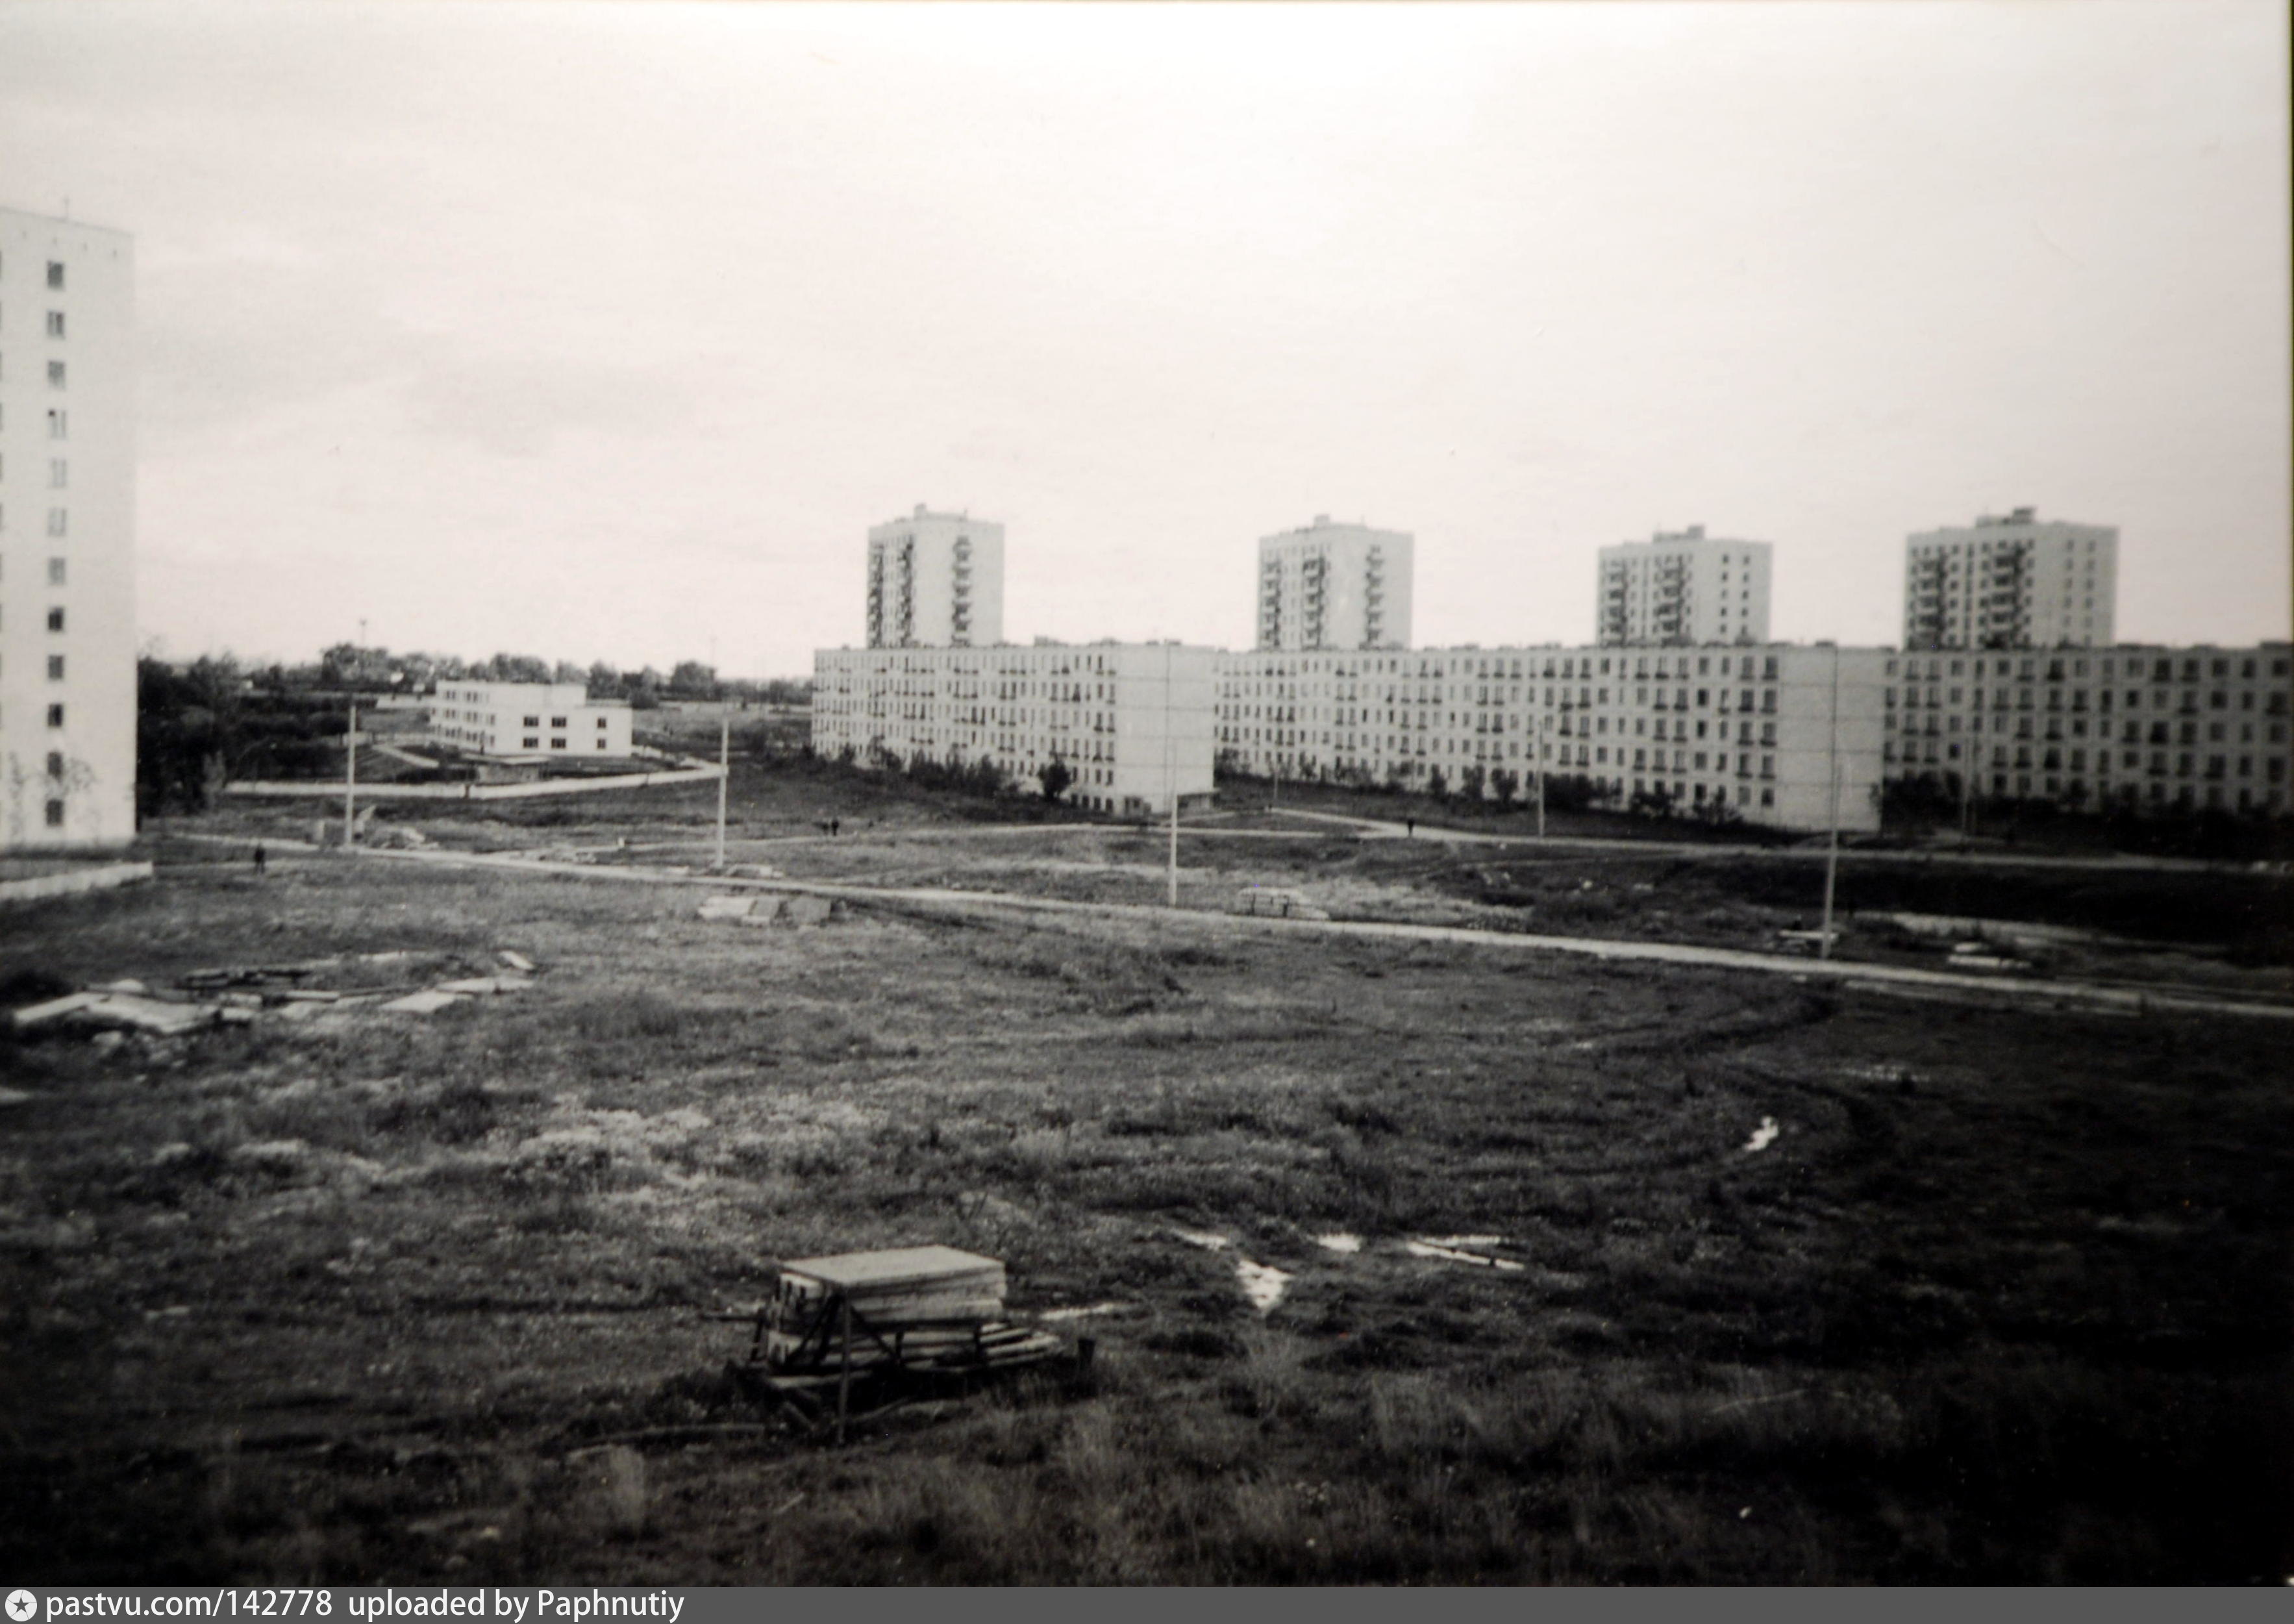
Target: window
557 743
55 668
56 275
55 572
601 721
532 744
557 721
59 425
56 618
55 715
55 375
55 764
55 814
533 721
55 324
58 521
59 473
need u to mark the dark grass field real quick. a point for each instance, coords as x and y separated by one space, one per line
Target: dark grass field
391 1298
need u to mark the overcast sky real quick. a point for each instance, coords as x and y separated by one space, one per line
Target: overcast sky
606 331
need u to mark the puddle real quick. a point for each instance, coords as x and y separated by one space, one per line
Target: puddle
1451 1255
1261 1284
1763 1136
1196 1238
1346 1244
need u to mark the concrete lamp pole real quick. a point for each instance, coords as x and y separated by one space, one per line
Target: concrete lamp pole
1832 844
1171 779
724 776
350 779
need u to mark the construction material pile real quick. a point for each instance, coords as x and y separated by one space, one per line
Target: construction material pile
915 1306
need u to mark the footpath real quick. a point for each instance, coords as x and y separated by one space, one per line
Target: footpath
1896 977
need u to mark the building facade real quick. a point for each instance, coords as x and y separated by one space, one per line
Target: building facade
2011 582
535 721
67 535
2153 729
1335 586
935 581
1751 729
1133 721
1682 590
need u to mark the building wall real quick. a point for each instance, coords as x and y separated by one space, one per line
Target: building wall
2160 729
1682 590
1335 586
935 581
541 721
67 535
1131 720
1752 726
2011 582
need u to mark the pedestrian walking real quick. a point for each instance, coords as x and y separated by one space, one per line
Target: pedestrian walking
834 824
1411 824
258 856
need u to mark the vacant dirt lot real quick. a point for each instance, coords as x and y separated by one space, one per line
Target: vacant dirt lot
367 1297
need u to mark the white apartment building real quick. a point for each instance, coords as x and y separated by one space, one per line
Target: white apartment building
935 581
1335 586
537 721
1133 721
2015 581
1683 589
2155 729
67 535
1751 728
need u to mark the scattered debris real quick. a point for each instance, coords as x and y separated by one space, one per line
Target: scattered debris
1275 902
770 909
1438 1249
1196 1238
15 1096
429 1001
1262 1283
1056 1316
1763 1136
1340 1243
517 962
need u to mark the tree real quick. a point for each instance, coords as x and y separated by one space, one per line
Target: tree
1469 782
1437 785
605 681
1055 776
1503 782
692 679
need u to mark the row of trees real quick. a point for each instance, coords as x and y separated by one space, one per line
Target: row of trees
349 667
981 778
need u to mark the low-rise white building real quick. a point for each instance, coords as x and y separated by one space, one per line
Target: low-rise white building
2151 728
539 721
1133 721
1754 730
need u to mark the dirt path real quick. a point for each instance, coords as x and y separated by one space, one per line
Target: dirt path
2062 994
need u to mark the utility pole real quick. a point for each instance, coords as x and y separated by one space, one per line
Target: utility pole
350 780
1832 846
1171 776
724 776
1539 749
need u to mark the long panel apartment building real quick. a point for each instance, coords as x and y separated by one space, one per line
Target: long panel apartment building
2011 582
1133 722
67 535
2152 729
935 581
1682 590
1756 730
1335 586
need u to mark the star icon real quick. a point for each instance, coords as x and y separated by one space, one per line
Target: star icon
21 1605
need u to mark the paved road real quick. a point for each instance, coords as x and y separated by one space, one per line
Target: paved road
1935 982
